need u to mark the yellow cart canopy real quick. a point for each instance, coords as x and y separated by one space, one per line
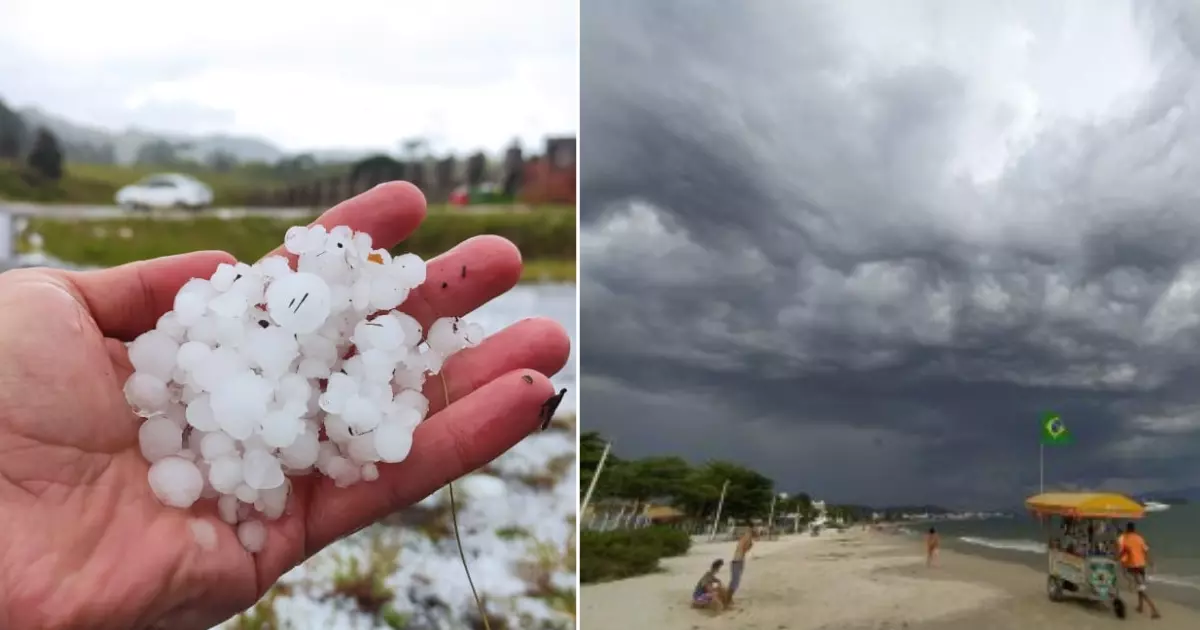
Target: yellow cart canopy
1086 505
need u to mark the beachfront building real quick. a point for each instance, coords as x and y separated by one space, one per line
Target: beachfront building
664 515
609 514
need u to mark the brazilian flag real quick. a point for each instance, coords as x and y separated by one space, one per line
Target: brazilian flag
1054 431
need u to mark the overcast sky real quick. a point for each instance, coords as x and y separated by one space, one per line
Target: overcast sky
355 73
863 246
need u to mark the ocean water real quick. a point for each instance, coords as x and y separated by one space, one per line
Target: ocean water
1173 536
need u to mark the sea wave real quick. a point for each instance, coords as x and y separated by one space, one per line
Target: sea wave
1029 546
1175 580
1010 544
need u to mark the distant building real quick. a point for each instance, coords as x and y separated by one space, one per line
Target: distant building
660 514
550 178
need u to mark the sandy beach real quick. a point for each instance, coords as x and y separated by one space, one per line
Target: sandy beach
854 581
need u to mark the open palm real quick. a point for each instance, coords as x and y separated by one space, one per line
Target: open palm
84 542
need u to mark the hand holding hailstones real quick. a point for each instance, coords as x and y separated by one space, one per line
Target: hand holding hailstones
263 372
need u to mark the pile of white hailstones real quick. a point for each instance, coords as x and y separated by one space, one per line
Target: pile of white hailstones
264 372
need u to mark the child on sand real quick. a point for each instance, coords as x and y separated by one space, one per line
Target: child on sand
708 592
931 547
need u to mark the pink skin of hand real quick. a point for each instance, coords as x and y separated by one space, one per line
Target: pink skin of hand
84 542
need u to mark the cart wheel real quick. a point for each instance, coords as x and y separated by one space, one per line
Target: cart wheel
1054 589
1119 608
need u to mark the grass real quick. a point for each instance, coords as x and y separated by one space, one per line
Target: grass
98 183
365 583
358 579
539 570
262 615
230 187
545 237
548 270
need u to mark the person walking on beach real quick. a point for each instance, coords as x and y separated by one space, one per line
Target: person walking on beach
1134 553
738 565
708 592
931 547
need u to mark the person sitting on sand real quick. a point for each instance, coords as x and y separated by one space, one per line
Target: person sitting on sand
931 546
708 592
1134 553
738 565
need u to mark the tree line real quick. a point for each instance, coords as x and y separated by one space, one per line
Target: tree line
695 489
42 156
45 152
38 148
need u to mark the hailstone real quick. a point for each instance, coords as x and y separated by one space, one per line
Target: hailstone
268 371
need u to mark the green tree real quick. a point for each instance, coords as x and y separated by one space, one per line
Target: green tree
654 478
694 490
222 161
476 165
157 153
45 158
701 494
296 165
749 493
591 447
377 168
12 133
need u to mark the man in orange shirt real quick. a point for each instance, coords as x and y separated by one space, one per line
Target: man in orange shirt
1133 553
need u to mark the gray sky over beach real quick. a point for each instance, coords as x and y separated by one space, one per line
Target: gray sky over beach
863 246
466 74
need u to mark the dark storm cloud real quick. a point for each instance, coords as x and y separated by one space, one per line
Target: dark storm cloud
782 266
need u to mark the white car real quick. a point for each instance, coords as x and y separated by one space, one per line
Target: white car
165 190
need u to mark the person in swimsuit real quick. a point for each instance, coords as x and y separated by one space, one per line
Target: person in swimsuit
1134 554
708 592
738 565
931 546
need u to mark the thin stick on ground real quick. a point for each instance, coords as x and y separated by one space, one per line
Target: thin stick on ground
457 537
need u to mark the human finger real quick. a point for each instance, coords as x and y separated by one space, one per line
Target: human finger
389 212
461 438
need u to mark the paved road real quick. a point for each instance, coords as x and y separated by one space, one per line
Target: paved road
81 212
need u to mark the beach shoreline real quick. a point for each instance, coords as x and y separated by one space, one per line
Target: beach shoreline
855 581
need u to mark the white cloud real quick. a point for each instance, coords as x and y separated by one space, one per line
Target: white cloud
464 73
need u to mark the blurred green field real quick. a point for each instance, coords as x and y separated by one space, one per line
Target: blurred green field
99 183
546 237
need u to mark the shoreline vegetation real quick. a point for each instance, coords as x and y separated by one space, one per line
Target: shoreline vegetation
679 500
545 236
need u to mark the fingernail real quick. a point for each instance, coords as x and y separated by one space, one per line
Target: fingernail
549 407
